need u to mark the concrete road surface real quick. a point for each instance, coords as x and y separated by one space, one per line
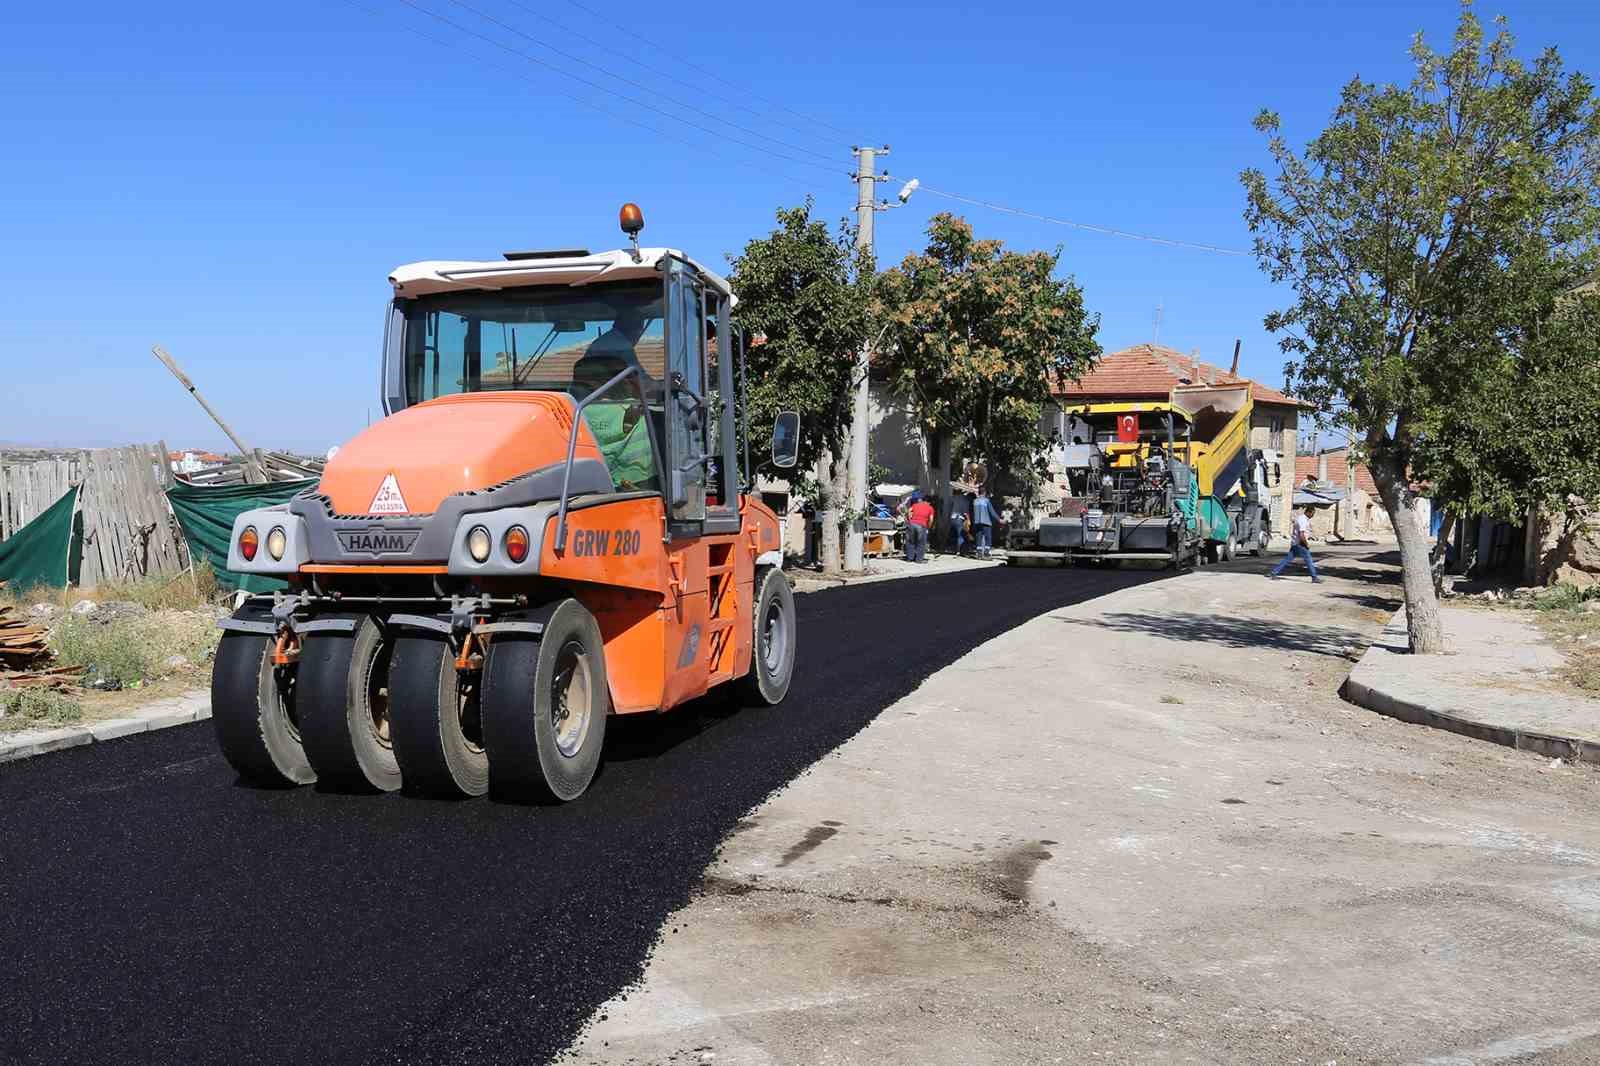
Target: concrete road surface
1143 828
152 910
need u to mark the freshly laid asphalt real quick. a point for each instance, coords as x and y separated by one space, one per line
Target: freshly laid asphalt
153 909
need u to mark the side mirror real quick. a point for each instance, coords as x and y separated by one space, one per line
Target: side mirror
786 439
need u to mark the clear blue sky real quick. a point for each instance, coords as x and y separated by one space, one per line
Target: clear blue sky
235 181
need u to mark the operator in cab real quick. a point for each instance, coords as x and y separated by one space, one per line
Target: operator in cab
617 420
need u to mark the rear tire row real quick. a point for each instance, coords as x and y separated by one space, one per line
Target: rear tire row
362 714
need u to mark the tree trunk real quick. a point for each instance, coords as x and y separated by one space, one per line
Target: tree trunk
830 481
1424 624
942 444
835 532
1441 551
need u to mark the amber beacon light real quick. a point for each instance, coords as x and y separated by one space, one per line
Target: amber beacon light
631 218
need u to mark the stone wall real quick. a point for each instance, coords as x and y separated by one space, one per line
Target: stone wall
1569 551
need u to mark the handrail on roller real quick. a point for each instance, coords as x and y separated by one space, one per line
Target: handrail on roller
572 447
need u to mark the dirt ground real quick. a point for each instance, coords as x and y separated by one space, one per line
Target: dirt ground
1146 829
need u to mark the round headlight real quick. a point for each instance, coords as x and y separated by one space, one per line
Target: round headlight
248 541
517 544
276 542
479 543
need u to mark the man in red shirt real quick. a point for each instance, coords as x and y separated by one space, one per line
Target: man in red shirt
919 517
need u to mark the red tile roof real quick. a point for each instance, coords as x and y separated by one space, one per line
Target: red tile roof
1306 466
1151 371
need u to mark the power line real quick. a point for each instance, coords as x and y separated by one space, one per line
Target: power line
610 50
522 74
991 205
713 74
629 81
1107 230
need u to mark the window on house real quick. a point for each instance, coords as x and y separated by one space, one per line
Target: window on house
1275 432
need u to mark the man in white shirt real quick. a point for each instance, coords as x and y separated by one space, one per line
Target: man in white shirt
1299 545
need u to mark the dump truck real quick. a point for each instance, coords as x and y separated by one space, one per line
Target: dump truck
551 526
1235 480
1171 482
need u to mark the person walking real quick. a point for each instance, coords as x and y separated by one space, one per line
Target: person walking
1299 545
984 519
960 512
919 516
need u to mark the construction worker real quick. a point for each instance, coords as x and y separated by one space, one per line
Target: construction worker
960 518
984 519
617 420
1299 545
919 516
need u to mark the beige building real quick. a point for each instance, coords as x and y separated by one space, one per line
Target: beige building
1365 518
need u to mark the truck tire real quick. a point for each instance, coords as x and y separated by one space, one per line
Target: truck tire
435 720
773 648
1227 549
344 708
253 710
545 705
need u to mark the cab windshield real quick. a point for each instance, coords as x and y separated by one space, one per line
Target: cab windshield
551 339
535 338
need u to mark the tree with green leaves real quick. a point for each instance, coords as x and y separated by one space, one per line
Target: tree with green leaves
1526 435
1431 234
976 336
804 296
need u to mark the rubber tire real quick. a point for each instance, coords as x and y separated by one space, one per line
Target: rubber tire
766 684
252 715
336 727
435 756
525 764
1227 550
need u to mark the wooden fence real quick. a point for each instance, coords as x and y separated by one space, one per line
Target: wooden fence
128 529
29 486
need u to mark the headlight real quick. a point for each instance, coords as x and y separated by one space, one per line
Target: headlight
516 544
479 543
248 541
276 542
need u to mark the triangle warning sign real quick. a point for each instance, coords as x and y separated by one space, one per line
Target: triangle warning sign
388 500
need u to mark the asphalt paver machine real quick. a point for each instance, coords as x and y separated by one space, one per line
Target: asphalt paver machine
1127 500
549 527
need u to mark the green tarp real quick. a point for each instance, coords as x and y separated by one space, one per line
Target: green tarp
44 551
206 513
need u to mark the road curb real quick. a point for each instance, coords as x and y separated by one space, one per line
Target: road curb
818 583
173 711
1364 687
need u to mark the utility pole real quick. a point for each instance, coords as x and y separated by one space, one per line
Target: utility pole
856 472
251 462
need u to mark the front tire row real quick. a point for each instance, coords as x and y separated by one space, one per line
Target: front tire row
379 708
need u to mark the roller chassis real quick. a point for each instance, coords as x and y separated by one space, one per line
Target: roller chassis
480 643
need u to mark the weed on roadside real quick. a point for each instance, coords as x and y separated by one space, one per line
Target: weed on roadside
30 708
130 650
183 592
1567 616
1172 699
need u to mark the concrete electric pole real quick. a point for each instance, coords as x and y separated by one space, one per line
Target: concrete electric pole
867 205
856 472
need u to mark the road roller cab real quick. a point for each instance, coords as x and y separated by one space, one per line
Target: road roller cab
549 527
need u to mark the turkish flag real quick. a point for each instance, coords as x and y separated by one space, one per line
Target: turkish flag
1127 429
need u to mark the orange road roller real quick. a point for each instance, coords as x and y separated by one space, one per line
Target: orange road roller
552 525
